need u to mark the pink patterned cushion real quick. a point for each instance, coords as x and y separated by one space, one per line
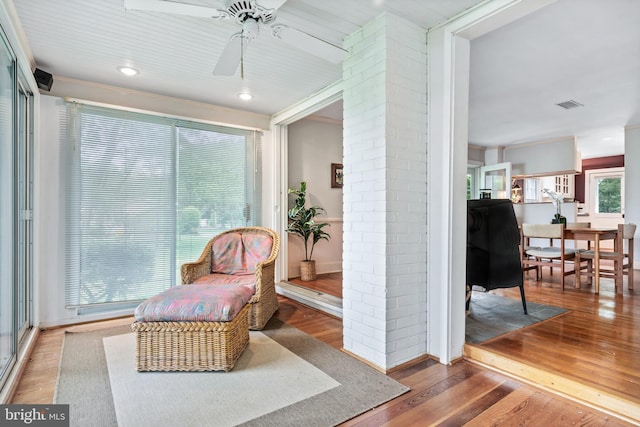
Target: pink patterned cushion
235 253
257 249
226 254
227 279
190 303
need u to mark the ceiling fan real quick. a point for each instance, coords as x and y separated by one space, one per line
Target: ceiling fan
251 15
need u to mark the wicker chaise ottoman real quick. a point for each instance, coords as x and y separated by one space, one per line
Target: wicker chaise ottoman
192 328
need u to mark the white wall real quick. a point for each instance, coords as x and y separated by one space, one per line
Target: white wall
632 183
50 194
542 213
50 249
89 91
313 145
476 154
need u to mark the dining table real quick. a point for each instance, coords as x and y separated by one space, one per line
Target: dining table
595 235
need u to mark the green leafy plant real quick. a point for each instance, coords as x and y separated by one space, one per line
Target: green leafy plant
302 221
189 219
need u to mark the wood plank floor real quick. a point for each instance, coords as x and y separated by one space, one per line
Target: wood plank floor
464 393
329 283
592 351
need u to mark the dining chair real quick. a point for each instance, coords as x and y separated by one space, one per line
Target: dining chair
622 257
554 255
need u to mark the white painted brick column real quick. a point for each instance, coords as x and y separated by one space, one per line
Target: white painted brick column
384 195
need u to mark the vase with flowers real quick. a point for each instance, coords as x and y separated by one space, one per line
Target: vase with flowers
556 199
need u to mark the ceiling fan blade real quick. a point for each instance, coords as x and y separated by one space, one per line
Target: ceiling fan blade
231 56
271 4
309 43
176 8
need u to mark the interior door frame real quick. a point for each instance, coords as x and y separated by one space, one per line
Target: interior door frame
448 70
448 99
279 127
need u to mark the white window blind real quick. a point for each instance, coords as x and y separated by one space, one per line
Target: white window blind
145 193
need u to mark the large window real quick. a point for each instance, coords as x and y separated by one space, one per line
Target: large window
145 194
7 208
16 179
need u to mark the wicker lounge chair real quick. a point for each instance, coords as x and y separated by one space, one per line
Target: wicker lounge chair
264 302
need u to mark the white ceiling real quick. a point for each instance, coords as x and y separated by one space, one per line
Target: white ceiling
582 50
586 50
176 55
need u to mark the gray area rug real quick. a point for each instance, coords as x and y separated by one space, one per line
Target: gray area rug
492 315
83 382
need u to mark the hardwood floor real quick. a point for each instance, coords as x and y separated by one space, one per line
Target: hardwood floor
595 342
329 283
592 351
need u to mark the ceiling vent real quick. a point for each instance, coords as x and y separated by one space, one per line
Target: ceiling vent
568 105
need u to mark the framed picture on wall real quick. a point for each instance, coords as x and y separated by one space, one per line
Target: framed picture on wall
336 175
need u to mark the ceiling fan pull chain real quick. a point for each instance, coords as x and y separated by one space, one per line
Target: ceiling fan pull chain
242 55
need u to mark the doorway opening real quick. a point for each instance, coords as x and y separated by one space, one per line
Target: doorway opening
313 147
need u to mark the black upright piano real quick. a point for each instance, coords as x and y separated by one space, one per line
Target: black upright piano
493 238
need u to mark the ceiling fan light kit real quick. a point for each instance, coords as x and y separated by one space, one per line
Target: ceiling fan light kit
250 28
250 14
128 71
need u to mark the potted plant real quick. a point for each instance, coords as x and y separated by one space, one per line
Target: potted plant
302 223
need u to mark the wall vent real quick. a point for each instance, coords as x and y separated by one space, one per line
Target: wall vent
568 105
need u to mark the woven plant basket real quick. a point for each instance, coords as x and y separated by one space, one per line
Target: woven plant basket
307 270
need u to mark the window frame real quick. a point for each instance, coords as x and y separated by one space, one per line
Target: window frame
590 176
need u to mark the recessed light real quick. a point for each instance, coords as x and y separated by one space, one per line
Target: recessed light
128 71
245 96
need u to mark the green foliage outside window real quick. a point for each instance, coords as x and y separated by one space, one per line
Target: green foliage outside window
189 219
609 195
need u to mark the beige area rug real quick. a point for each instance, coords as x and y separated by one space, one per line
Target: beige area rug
284 378
253 388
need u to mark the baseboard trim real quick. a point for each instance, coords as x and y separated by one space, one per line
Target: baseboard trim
318 300
411 363
321 268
